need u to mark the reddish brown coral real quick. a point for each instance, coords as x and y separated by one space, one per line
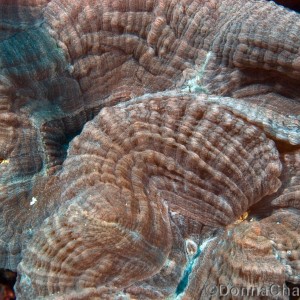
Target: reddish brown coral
162 174
164 160
289 194
255 261
21 158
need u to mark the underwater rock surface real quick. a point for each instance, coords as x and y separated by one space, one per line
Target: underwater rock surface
149 149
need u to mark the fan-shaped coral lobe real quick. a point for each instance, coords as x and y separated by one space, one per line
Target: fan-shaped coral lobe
162 161
289 194
189 112
130 48
21 158
255 262
32 67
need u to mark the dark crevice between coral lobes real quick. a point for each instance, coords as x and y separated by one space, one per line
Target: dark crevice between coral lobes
284 147
7 282
291 4
68 139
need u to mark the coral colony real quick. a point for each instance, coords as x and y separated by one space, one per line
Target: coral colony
150 149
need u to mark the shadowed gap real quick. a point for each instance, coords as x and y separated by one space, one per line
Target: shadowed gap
291 4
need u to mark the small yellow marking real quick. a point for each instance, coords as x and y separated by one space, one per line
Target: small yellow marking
242 218
4 161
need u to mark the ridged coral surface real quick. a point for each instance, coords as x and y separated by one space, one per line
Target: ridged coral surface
149 149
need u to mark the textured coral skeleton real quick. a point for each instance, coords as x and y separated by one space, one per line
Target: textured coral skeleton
149 149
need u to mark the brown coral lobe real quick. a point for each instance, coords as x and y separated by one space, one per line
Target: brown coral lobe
149 149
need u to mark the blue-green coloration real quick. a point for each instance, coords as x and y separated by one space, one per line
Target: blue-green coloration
185 279
31 56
